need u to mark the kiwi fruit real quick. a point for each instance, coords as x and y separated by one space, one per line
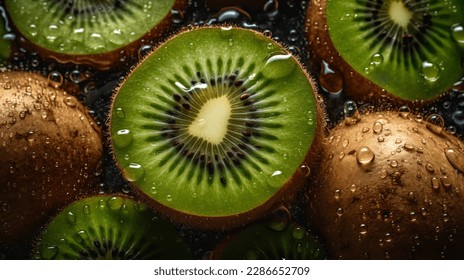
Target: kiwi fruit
395 50
109 227
99 33
400 192
270 241
50 148
216 126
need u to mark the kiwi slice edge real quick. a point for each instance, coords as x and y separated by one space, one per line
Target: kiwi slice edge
228 72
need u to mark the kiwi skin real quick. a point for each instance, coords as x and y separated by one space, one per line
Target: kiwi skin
405 202
287 193
355 85
51 150
116 58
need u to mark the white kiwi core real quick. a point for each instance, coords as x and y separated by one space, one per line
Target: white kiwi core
399 13
211 122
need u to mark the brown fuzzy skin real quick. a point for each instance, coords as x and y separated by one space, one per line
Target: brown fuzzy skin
50 150
286 194
355 85
115 58
406 203
251 6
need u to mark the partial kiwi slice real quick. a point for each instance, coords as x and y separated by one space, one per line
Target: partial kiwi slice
400 193
410 50
51 151
109 227
267 241
99 33
216 125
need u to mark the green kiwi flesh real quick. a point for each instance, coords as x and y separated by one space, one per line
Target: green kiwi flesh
265 241
74 30
109 227
409 48
214 123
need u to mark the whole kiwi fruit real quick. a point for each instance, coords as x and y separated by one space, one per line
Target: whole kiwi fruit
109 227
394 50
50 148
390 186
216 126
100 33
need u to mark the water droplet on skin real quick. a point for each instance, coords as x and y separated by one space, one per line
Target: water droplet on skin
115 203
424 211
456 158
429 167
377 127
169 198
365 155
363 229
408 147
144 51
446 181
337 194
123 138
304 170
330 80
404 111
71 218
353 188
120 113
435 123
430 71
435 183
271 8
413 216
276 180
86 209
280 219
457 31
49 253
350 109
394 163
279 65
445 217
69 101
134 172
55 79
339 212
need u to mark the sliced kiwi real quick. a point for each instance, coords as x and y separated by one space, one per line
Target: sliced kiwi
215 126
403 196
109 227
50 149
408 49
266 241
92 32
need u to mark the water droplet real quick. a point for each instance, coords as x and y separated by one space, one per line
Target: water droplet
169 198
304 170
115 203
337 194
350 109
49 253
144 51
388 237
280 219
435 123
435 183
339 212
429 167
86 209
363 229
55 79
120 113
404 111
446 181
365 155
70 101
330 80
458 33
134 172
377 127
446 217
298 233
277 179
71 218
123 138
377 59
424 211
430 71
394 163
455 158
408 147
279 65
413 216
271 8
353 188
